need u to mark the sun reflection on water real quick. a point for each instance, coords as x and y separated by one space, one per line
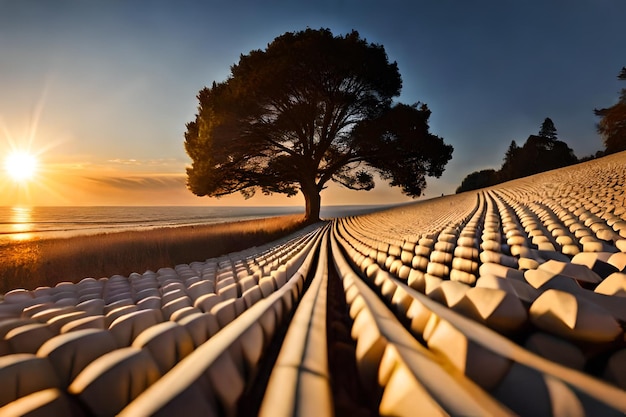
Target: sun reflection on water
21 223
20 255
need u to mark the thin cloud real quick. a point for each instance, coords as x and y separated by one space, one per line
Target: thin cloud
158 162
140 182
124 161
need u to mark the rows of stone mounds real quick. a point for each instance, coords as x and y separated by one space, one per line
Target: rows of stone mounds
506 301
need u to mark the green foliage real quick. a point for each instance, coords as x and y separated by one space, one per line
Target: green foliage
548 130
538 154
612 125
400 148
507 170
310 108
478 179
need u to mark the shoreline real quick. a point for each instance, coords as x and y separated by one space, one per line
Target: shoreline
56 222
34 263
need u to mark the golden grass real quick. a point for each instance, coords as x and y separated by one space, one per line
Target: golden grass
31 264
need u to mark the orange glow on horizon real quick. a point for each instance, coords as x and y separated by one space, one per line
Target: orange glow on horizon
39 172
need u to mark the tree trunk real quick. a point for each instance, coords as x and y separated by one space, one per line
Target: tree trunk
313 202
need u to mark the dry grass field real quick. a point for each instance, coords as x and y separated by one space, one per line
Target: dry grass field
34 263
509 300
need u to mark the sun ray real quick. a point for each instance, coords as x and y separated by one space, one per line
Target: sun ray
36 115
26 173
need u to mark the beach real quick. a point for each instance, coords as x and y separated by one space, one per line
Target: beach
23 222
41 246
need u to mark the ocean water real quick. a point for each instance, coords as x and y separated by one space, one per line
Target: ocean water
24 223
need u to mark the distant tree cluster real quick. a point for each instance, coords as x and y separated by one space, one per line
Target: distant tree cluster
542 152
479 179
612 125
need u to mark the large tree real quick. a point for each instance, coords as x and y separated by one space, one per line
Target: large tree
310 108
612 126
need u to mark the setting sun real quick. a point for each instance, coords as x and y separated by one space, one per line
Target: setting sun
20 166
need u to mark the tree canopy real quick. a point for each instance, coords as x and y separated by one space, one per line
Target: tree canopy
478 179
538 154
310 108
548 130
612 125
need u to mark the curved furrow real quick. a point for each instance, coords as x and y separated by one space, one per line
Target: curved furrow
506 301
495 363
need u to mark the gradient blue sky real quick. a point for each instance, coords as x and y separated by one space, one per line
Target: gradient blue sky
101 89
